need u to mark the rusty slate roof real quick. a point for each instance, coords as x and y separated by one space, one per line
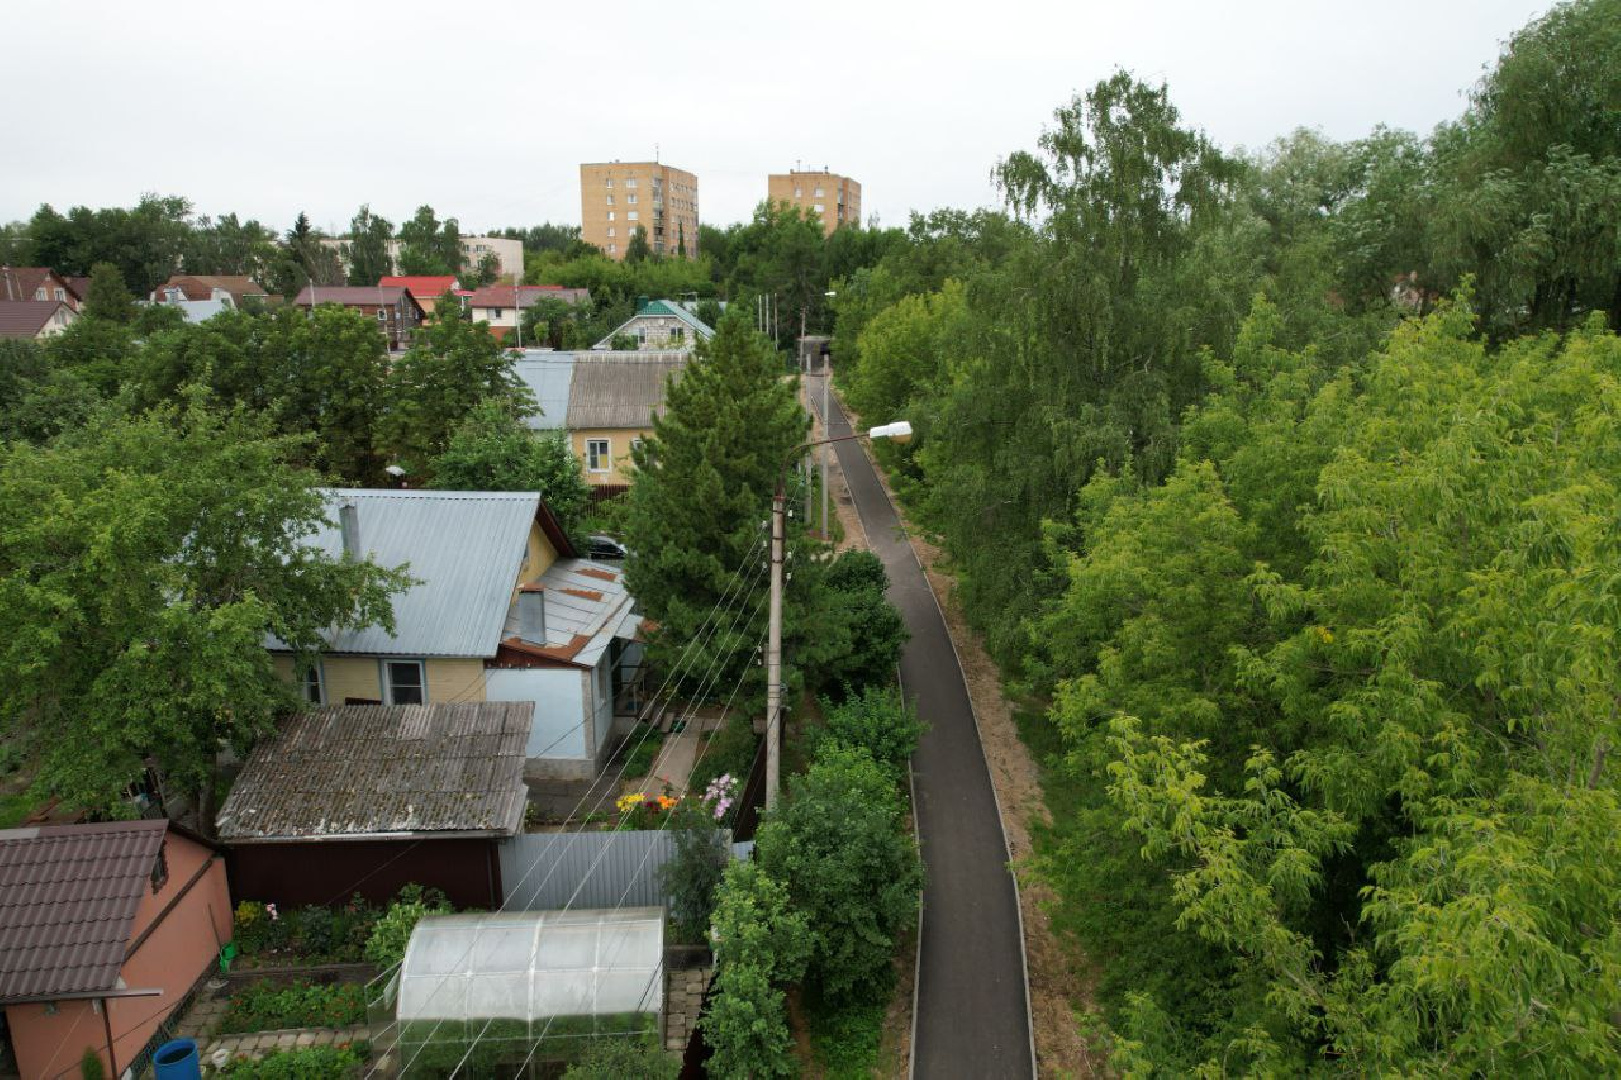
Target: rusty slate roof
357 771
68 896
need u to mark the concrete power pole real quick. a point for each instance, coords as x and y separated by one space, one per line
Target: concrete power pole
827 433
773 653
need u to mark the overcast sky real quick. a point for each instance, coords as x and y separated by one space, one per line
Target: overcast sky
486 110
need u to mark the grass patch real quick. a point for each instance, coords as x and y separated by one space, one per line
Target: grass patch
14 808
644 750
846 1041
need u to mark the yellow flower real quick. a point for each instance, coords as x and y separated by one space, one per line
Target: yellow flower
1325 635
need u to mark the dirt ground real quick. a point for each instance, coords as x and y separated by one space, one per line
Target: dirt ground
1059 981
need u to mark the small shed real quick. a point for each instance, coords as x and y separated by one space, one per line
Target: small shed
369 798
510 988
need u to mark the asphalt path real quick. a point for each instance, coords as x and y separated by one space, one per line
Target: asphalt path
972 1014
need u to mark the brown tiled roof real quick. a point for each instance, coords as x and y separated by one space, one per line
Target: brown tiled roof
68 896
356 295
202 286
26 318
363 770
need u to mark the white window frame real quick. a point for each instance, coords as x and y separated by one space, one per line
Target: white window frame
630 181
610 201
630 199
633 215
386 678
599 461
610 215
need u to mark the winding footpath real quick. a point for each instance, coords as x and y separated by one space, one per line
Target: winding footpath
972 1015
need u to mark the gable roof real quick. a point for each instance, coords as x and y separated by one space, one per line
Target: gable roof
502 296
679 311
465 548
68 897
424 286
624 392
350 771
26 318
357 296
202 286
22 282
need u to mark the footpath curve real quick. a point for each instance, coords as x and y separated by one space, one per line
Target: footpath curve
972 1013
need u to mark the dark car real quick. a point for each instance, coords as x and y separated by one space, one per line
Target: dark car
605 548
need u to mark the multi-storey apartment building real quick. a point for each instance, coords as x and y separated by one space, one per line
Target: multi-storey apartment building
617 198
835 200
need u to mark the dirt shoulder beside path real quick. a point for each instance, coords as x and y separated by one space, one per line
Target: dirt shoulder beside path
1059 982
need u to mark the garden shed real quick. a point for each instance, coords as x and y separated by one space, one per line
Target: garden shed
516 987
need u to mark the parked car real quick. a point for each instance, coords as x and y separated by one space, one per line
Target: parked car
605 548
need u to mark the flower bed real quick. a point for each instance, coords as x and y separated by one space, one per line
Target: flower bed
266 1007
268 937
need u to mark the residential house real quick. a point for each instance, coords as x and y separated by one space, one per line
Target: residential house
396 311
197 311
369 798
617 198
38 283
830 199
604 400
426 289
34 320
241 290
104 930
660 324
503 611
501 305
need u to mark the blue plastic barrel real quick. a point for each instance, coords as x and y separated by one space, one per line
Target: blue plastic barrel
177 1060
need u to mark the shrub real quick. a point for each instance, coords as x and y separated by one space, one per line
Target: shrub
731 750
644 744
392 931
90 1066
694 870
877 720
856 582
616 1059
837 845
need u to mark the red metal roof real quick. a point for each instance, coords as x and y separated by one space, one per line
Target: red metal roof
68 896
424 287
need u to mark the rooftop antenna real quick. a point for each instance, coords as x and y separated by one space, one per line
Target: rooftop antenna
655 152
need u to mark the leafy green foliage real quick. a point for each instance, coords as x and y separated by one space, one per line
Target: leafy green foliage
108 298
877 720
644 743
147 562
730 752
429 246
367 248
310 935
837 844
761 943
493 450
847 1040
855 584
694 870
90 1066
615 1059
267 1007
302 1063
392 932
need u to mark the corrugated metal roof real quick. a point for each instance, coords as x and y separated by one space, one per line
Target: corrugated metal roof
362 770
586 606
466 549
547 375
68 896
621 393
197 311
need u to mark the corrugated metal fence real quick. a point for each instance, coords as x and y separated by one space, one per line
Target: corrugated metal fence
599 864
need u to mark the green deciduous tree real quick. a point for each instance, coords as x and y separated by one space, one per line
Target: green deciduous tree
367 248
493 450
158 554
761 944
838 846
430 246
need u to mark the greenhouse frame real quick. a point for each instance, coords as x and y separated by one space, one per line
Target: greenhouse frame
498 993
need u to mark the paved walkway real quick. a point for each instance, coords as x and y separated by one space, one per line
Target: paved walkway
973 1016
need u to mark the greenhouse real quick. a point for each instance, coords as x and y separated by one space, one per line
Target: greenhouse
499 994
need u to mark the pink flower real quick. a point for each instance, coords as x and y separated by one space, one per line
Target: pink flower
270 909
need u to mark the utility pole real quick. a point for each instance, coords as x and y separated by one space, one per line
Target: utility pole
773 652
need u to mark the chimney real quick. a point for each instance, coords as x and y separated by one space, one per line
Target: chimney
532 616
349 526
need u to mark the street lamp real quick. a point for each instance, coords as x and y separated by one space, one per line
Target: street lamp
899 431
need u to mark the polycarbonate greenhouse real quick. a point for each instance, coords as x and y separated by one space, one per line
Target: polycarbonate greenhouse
521 988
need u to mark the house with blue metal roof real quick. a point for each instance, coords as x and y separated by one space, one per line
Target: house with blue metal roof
660 324
501 609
